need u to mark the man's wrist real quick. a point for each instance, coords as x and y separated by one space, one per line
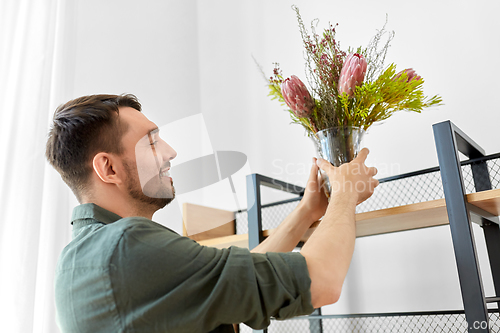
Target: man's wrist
348 199
304 214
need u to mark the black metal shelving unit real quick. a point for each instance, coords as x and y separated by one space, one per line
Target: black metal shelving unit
452 180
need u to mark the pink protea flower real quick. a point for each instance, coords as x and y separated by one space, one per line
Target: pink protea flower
410 74
297 97
352 73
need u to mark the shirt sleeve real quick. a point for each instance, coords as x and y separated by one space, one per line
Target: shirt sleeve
162 279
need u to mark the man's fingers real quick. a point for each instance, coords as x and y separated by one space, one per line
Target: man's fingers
363 154
323 164
313 174
314 169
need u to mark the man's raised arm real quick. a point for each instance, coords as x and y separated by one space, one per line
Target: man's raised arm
310 209
329 250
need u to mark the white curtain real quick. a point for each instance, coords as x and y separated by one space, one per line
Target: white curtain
34 203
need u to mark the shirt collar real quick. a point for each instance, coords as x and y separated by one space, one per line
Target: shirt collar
94 212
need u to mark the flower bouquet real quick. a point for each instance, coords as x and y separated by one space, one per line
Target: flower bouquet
349 91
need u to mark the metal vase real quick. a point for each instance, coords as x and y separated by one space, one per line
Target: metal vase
338 145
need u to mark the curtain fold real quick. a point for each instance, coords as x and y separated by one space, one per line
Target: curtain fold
34 203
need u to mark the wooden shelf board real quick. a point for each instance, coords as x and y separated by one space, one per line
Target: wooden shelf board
487 200
200 222
408 217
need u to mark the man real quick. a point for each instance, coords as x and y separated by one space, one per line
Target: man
123 272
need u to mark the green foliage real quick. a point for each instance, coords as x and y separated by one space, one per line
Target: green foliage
378 100
275 93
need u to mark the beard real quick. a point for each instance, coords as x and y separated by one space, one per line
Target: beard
163 193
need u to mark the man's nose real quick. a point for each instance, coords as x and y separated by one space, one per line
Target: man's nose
168 152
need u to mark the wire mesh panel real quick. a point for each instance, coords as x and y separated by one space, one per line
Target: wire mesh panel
272 216
404 191
494 171
451 321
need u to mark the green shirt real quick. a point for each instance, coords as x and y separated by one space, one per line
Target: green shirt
134 275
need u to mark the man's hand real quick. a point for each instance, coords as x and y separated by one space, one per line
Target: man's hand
314 202
314 205
353 177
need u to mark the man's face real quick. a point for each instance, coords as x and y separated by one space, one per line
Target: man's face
146 161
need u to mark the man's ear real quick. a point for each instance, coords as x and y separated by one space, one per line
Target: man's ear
105 167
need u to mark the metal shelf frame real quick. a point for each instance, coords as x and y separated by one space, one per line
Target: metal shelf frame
450 140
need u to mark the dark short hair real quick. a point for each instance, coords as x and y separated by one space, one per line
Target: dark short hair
82 128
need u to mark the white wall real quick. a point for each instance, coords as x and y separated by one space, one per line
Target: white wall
185 57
